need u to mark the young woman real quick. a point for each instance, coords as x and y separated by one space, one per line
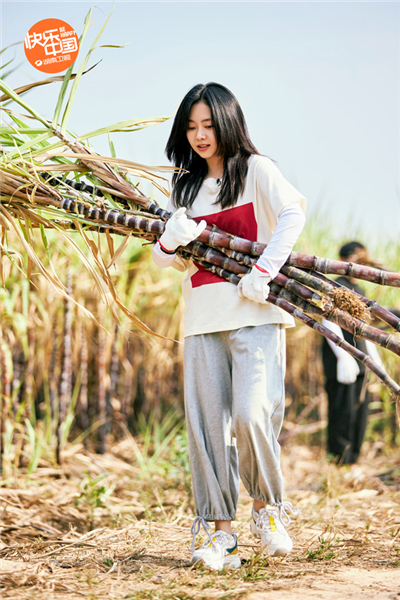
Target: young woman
234 349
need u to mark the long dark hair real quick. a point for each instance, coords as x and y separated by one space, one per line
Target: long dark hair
233 143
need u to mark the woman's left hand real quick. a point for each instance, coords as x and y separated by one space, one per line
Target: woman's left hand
254 286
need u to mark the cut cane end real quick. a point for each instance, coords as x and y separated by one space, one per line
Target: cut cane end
344 299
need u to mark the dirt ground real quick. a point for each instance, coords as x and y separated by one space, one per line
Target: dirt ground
128 536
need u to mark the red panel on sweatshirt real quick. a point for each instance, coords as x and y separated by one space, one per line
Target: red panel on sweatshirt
240 221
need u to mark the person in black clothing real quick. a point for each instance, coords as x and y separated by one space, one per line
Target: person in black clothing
345 377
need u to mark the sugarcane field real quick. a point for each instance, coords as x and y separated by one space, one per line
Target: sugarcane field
195 407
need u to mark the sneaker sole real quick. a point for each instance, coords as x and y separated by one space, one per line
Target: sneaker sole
281 552
229 562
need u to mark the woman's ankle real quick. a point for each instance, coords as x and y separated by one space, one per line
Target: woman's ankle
258 505
224 526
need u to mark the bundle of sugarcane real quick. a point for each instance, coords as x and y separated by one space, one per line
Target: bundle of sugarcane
101 197
115 206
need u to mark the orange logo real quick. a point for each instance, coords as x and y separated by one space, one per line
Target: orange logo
51 46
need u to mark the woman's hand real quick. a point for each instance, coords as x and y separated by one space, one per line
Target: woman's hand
180 231
254 286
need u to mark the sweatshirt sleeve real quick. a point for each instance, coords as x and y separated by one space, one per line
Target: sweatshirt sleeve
290 224
273 191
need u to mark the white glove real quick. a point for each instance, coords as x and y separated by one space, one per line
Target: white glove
180 231
347 366
373 353
347 369
254 285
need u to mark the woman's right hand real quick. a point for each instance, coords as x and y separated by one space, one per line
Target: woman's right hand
180 231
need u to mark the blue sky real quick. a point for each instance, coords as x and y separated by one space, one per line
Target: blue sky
318 83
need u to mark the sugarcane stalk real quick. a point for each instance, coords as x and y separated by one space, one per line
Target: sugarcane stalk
338 341
152 208
215 237
330 287
303 292
376 309
66 374
83 392
16 380
348 269
29 379
295 291
308 279
53 384
301 316
4 398
212 235
240 257
102 389
113 217
201 250
216 270
216 257
206 256
305 306
356 327
105 173
114 369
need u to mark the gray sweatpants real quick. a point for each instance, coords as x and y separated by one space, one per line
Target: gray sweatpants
234 388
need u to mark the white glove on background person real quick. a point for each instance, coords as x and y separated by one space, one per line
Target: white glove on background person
180 231
373 353
347 367
254 285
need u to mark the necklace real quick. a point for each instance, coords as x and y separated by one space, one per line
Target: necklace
212 185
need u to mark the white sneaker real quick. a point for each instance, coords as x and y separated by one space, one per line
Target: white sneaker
268 526
218 551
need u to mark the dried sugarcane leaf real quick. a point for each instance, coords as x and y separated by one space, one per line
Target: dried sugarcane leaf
134 168
55 282
46 247
55 150
111 291
110 243
7 90
23 236
70 168
123 163
26 88
120 250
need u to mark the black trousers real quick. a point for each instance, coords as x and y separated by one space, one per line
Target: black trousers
347 419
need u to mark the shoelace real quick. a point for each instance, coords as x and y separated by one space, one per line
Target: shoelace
214 539
263 522
283 508
195 529
263 519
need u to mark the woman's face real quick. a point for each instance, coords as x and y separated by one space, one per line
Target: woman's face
200 132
